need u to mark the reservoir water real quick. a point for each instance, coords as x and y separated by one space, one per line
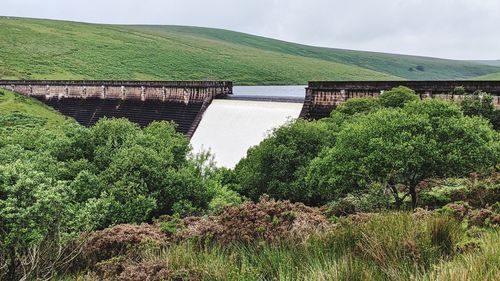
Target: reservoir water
230 127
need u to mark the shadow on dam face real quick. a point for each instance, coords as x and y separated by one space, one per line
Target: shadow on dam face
230 127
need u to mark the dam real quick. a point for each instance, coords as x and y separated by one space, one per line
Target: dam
324 96
142 102
215 115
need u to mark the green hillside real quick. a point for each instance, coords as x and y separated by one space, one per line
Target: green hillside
407 67
489 62
47 49
492 76
16 109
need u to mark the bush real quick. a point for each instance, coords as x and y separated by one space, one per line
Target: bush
357 106
224 197
374 200
481 104
57 183
397 97
120 240
277 166
267 220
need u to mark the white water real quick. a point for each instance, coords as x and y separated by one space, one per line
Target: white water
275 91
230 127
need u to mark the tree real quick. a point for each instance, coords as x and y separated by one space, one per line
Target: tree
358 105
397 97
55 183
481 104
277 166
36 208
402 147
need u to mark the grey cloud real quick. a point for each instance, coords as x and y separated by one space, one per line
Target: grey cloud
460 29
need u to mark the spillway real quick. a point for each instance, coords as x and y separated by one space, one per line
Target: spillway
230 127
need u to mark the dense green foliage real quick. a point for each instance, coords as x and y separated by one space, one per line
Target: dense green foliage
57 183
278 165
45 49
481 104
397 97
396 148
392 143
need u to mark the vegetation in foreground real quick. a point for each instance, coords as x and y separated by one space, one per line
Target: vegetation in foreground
272 240
46 49
120 202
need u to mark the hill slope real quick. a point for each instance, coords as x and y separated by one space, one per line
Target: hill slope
492 76
15 108
489 62
46 49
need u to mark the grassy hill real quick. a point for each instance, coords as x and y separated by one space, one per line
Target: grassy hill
47 49
489 62
16 110
492 76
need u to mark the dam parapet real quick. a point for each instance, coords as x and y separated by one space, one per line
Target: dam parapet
323 97
176 91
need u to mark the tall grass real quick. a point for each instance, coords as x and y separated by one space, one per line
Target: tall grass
392 246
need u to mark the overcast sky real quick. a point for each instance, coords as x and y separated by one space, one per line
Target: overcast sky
458 29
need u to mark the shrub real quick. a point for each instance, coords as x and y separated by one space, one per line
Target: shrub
120 240
277 166
458 210
56 183
170 224
397 97
224 197
481 104
358 105
266 220
375 199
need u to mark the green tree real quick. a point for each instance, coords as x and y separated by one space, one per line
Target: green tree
481 104
397 97
358 105
34 207
400 148
277 166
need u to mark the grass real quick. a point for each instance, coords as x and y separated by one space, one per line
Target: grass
492 76
389 246
47 49
15 106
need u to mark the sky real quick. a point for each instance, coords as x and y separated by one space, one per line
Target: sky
456 29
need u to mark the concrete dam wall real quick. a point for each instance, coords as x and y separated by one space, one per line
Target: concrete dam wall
142 102
322 97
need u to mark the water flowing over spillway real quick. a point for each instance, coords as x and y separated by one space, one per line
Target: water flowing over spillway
230 127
